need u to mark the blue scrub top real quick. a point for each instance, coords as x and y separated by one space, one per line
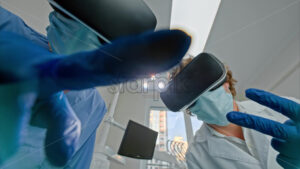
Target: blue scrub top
13 23
87 104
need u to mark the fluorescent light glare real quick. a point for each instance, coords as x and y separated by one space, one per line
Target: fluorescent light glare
145 85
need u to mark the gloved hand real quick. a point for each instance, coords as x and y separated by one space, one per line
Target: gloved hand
286 136
19 83
23 61
15 102
63 127
124 60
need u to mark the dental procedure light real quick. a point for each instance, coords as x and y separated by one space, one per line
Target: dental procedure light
161 85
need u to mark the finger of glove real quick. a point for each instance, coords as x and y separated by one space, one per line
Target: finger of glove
40 113
18 57
290 123
287 107
287 148
46 109
63 131
279 145
123 60
287 162
263 125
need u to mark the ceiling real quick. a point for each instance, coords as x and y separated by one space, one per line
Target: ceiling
250 37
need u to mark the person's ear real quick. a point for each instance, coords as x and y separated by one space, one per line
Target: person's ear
226 87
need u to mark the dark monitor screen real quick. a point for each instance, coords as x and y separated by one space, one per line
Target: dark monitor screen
138 141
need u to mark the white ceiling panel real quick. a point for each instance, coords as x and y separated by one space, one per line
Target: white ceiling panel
250 37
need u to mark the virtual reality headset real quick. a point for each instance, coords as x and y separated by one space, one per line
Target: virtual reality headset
109 19
204 73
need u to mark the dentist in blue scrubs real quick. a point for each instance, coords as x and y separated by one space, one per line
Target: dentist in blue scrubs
87 104
33 80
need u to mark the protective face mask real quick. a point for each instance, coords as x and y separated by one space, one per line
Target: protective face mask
66 36
212 107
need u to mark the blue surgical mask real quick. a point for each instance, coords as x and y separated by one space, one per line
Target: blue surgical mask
67 36
212 107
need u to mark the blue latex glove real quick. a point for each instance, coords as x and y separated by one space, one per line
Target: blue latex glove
286 136
15 102
123 60
21 61
63 127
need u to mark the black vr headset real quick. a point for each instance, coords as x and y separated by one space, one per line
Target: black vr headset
109 19
204 73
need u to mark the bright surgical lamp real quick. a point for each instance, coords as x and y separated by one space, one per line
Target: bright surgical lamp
161 85
153 77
